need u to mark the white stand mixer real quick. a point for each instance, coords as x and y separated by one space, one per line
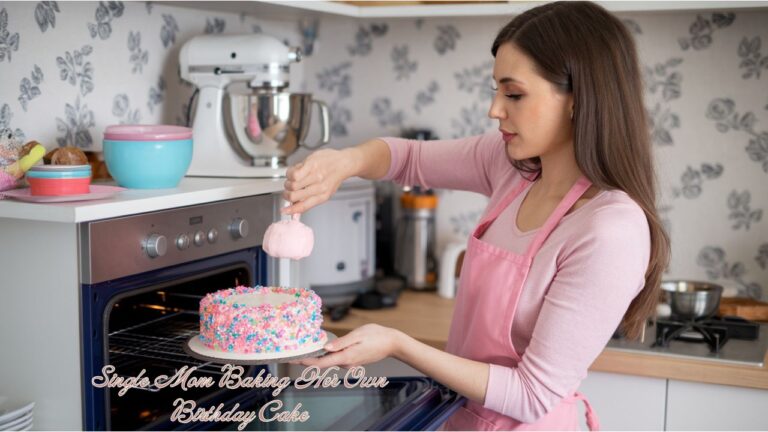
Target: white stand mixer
245 125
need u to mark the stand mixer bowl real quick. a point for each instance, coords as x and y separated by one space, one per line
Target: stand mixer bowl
268 126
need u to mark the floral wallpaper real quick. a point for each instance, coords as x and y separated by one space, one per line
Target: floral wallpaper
706 94
71 68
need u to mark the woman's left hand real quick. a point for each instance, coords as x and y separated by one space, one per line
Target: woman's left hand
367 344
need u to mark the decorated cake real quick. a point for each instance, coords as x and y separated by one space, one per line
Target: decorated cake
261 320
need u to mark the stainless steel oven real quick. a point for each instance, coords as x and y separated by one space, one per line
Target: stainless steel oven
142 279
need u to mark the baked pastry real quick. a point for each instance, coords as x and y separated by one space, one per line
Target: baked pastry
65 156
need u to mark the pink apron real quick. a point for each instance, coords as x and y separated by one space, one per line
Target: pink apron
490 285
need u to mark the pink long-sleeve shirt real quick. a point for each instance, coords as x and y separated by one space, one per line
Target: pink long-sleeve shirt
581 281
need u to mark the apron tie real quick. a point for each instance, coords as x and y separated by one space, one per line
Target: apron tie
593 423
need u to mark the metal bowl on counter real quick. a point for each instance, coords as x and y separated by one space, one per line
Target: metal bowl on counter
691 300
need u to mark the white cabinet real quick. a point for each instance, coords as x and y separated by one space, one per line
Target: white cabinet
697 406
625 402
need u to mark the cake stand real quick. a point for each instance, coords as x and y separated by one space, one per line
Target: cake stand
195 348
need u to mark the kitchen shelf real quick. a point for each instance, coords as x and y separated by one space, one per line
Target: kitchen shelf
278 9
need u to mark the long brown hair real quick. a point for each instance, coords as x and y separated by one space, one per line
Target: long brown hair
583 49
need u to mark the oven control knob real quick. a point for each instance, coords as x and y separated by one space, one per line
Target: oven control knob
199 238
239 228
156 245
213 235
182 241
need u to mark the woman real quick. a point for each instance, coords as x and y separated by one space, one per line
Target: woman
570 245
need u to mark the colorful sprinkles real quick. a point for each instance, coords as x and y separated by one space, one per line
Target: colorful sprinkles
265 328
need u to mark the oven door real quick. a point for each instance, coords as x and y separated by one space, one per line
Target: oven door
140 323
405 403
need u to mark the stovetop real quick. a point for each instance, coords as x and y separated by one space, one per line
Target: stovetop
737 352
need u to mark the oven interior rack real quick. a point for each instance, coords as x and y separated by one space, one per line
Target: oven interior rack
160 341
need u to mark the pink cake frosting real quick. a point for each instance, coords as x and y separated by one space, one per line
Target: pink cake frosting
259 320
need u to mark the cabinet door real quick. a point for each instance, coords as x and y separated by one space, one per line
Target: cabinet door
697 406
624 402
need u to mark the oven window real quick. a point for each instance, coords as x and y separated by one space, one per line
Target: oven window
147 331
341 408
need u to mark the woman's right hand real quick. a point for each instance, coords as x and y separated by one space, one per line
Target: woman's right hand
314 180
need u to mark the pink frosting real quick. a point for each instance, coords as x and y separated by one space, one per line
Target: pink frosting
289 239
236 327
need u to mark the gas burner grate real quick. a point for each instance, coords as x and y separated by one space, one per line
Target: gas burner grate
161 341
715 331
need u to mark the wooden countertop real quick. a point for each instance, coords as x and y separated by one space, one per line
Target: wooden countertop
426 317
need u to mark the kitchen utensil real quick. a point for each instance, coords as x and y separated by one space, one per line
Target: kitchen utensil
343 264
289 238
415 240
60 180
59 186
246 124
55 169
269 125
450 264
147 156
690 300
747 308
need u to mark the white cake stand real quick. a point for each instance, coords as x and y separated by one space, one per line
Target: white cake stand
195 348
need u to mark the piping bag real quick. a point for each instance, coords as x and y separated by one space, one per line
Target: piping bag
289 238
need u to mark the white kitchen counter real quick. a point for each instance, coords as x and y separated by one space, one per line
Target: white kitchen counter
191 191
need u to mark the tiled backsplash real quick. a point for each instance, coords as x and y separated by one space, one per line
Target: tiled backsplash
706 78
71 68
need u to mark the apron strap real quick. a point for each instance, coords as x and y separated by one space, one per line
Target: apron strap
481 227
573 195
593 423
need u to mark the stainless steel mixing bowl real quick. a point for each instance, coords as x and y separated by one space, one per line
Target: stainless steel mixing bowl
690 300
268 126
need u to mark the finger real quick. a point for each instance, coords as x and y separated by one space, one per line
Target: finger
303 194
290 185
343 342
309 179
304 362
302 175
327 360
303 206
292 171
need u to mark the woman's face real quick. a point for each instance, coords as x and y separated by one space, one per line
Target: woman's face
534 118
